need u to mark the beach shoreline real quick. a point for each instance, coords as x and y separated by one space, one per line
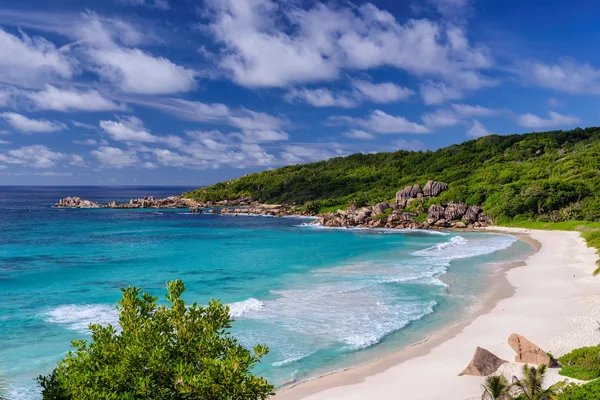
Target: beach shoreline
407 370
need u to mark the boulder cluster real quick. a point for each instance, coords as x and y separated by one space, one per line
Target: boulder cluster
274 211
390 215
76 202
146 202
485 363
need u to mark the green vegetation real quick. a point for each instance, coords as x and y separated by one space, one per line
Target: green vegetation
582 364
383 215
530 387
163 352
589 391
546 177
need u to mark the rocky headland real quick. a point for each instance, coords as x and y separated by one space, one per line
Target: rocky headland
399 214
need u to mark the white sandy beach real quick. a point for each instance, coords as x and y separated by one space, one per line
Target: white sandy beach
554 301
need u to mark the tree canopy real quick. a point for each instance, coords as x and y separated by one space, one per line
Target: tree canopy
162 352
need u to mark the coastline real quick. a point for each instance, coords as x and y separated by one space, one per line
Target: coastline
561 268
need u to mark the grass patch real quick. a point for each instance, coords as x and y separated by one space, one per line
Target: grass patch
583 363
421 217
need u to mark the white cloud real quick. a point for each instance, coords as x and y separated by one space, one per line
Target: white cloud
26 125
567 76
440 118
358 134
5 142
86 142
382 92
128 129
135 71
259 136
477 130
380 122
409 145
38 156
321 98
26 61
113 157
52 98
303 153
474 111
555 120
83 125
552 102
258 51
434 93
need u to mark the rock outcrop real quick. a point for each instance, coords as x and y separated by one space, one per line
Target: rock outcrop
381 207
455 211
76 202
484 363
529 353
146 202
431 189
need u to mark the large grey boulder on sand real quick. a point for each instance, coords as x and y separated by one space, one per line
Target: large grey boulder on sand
484 363
529 353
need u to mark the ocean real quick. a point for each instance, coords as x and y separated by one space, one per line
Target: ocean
321 299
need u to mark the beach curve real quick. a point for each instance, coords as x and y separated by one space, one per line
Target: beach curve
551 299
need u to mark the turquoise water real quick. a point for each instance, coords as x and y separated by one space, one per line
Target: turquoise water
321 299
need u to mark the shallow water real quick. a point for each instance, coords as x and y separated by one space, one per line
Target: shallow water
320 299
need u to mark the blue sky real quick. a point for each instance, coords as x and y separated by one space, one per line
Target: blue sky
190 92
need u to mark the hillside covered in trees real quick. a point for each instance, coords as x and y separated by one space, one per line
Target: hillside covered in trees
547 176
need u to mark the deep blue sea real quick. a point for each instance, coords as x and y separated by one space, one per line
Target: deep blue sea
321 299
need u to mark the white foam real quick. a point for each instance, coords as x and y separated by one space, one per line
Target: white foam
289 360
78 317
238 309
376 230
461 247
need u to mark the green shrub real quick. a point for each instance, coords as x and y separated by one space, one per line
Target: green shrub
583 363
589 391
174 352
312 206
383 215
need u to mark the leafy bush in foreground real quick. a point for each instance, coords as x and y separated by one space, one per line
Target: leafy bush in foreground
582 363
175 352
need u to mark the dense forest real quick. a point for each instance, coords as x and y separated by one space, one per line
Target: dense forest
547 176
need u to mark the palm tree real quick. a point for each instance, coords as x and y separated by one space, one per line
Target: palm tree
496 388
530 387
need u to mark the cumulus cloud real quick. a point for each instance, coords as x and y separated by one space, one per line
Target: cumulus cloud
477 130
259 136
38 156
258 51
113 157
440 118
358 134
52 98
24 124
555 120
567 76
26 61
321 98
128 129
434 93
380 122
386 92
